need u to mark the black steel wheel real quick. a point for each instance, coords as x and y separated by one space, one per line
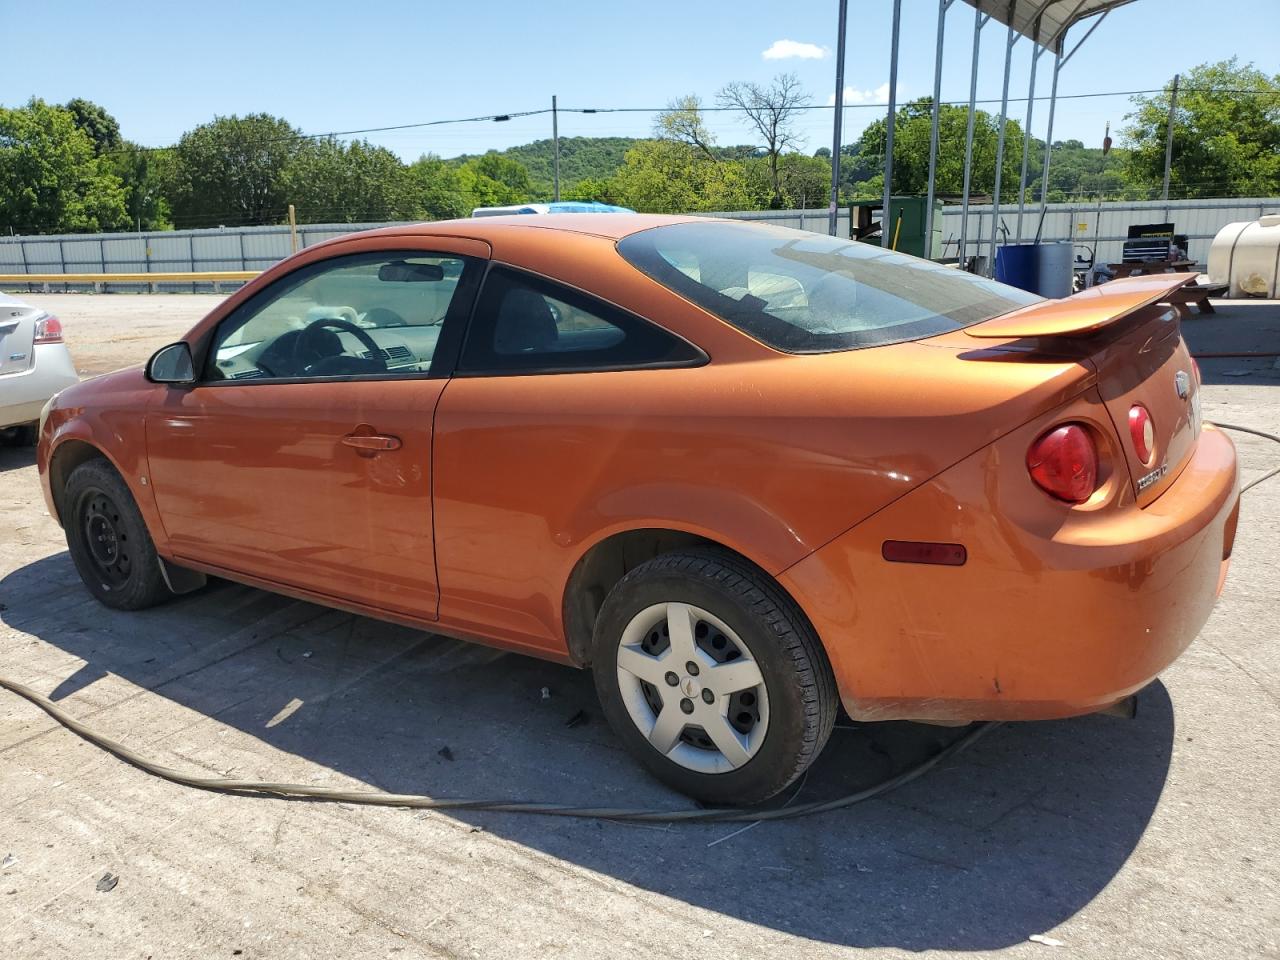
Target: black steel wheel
108 539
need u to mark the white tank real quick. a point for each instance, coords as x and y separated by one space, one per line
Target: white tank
1246 257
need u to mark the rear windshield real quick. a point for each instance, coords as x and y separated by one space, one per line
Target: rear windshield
807 293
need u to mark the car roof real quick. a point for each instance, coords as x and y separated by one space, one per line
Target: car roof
612 226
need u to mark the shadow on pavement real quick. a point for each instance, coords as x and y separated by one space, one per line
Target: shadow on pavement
1010 839
1237 327
14 457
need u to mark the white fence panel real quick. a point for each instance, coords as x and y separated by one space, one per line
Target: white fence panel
1104 227
257 248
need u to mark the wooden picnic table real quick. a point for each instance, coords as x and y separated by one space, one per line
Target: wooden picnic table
1193 295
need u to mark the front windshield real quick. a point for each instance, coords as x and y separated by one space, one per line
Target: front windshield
806 293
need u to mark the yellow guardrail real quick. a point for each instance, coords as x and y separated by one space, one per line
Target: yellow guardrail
208 276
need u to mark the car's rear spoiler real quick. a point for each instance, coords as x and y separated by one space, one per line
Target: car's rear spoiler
1085 312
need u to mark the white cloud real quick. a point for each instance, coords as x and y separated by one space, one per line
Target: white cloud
794 49
853 96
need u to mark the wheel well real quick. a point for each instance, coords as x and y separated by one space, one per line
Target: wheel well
66 458
608 562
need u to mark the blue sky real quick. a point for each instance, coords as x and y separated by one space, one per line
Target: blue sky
162 68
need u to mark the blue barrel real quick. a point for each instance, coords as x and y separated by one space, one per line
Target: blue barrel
1018 265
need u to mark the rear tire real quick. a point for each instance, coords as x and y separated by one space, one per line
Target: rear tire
758 705
108 539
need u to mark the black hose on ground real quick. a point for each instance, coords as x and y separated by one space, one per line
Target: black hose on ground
299 791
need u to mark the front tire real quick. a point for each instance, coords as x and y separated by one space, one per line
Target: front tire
108 539
712 677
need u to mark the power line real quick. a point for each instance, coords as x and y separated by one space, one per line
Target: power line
518 114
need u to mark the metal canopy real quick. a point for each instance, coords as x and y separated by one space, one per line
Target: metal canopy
1043 21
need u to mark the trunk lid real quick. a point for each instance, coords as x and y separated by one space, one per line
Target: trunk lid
17 333
1150 365
1134 343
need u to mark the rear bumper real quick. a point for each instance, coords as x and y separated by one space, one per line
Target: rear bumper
1051 616
24 394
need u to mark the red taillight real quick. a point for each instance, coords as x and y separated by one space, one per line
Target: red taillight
1064 463
48 330
1142 432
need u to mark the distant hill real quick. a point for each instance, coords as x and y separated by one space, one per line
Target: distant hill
580 158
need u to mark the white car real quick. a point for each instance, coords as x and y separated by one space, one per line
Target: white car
34 365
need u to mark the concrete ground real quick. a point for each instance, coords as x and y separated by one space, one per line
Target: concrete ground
1152 838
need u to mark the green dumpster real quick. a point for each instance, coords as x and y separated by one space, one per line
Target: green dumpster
906 223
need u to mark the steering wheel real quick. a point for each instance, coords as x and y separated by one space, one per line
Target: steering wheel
306 335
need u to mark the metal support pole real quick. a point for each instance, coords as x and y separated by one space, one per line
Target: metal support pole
1048 143
833 212
555 156
1168 140
1010 40
1026 139
943 6
1060 62
885 229
979 21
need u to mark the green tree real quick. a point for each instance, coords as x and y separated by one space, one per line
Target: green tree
772 112
231 171
142 172
494 180
102 127
805 181
332 182
683 122
437 188
911 133
581 158
1226 134
1079 172
50 179
663 176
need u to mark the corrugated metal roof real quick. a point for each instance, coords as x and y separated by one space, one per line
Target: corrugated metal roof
1044 21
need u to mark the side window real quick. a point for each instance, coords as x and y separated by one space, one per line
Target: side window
361 315
524 323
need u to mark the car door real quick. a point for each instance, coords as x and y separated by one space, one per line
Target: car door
302 454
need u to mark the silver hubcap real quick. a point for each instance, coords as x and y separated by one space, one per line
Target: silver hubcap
692 688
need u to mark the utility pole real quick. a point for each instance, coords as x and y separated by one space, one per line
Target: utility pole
1168 140
834 210
293 229
555 158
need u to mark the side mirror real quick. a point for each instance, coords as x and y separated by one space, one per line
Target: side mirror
171 364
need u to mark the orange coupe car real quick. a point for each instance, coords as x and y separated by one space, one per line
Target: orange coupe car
745 473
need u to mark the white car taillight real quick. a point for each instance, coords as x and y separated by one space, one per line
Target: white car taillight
48 330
